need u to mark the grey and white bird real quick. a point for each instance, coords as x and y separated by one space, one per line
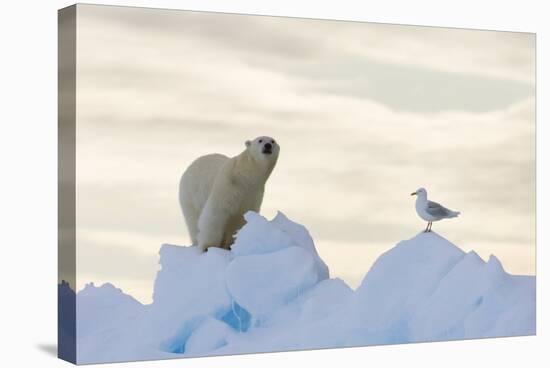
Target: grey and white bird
431 211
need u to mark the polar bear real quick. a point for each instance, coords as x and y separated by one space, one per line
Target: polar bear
215 191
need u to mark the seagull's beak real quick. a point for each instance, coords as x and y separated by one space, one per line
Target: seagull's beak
413 193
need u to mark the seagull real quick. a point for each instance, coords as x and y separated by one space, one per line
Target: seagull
431 211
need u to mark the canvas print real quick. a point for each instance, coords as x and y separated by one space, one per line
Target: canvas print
234 184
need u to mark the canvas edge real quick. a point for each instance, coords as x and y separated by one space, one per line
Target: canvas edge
66 309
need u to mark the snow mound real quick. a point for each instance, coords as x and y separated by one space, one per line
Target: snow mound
261 236
427 289
272 292
98 306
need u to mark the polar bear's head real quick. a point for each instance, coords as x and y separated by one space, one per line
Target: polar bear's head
263 149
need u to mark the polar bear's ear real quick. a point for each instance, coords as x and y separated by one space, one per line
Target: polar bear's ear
247 143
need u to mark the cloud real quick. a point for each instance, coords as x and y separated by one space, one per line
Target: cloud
365 114
414 88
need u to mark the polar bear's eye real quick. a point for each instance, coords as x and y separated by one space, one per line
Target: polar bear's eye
261 140
273 142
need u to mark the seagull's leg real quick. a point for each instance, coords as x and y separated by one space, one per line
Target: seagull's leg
427 227
430 227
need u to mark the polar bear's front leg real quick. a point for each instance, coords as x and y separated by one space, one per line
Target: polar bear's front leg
211 227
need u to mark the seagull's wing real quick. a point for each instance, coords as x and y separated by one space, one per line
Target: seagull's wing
436 210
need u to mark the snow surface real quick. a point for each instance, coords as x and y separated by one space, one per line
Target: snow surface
272 292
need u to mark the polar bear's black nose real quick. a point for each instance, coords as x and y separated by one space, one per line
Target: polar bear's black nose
267 148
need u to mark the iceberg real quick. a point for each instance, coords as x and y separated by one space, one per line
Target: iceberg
273 292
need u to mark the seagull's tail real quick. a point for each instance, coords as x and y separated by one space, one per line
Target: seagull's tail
454 213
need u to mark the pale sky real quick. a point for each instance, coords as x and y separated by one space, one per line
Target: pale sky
364 113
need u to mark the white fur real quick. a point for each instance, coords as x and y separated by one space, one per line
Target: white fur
215 191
